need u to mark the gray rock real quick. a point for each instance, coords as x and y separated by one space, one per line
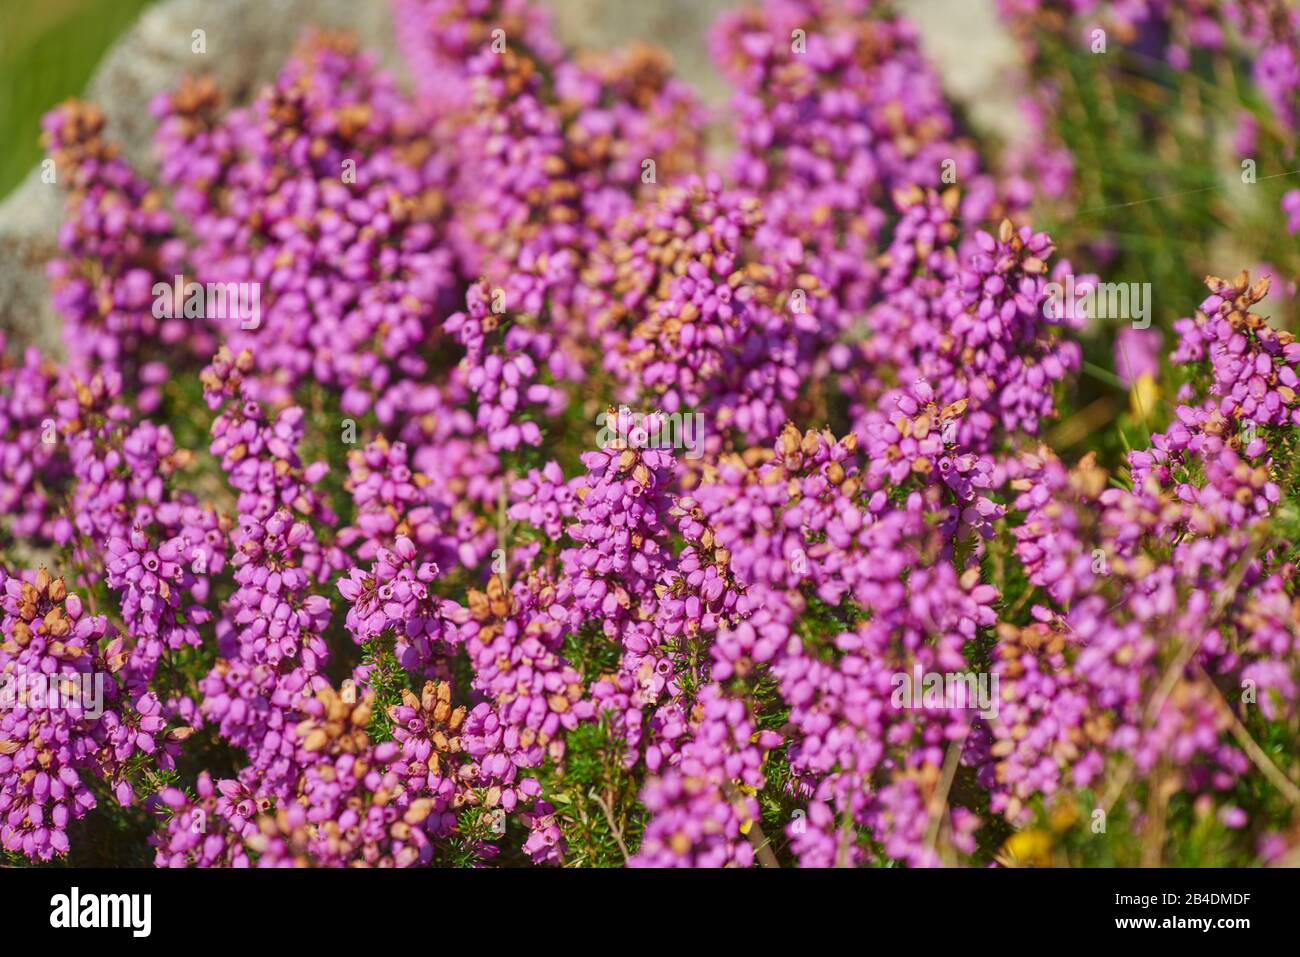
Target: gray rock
974 54
28 224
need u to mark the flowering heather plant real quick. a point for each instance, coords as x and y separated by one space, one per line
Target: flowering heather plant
354 577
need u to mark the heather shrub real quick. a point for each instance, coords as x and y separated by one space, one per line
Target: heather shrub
495 473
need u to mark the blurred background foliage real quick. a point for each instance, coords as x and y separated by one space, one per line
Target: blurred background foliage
48 50
1158 196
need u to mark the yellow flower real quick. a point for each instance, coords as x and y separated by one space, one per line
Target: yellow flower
1032 848
1144 395
1064 815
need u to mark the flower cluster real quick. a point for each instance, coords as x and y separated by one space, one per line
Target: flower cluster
833 111
117 242
687 322
68 729
396 595
323 198
34 464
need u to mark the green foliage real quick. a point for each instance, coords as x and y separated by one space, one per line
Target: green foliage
1158 197
387 679
595 798
48 52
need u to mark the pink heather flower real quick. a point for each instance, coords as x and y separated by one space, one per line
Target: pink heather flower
49 752
395 596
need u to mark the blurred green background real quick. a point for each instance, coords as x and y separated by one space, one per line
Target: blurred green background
48 50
